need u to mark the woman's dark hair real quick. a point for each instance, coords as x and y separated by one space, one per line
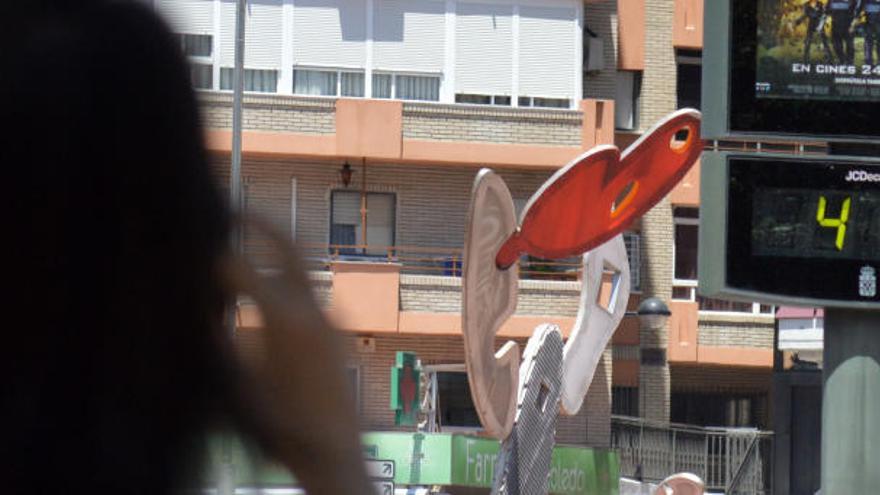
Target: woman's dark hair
117 363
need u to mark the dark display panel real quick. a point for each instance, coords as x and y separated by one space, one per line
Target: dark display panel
804 228
816 223
818 50
773 92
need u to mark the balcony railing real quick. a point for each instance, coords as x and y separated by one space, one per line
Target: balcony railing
734 460
686 290
427 260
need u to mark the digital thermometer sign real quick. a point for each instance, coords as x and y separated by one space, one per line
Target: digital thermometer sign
793 230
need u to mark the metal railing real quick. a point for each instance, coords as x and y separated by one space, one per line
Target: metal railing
734 460
427 260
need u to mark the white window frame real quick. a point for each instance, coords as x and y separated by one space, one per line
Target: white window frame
448 368
635 266
339 70
277 80
691 284
202 60
395 73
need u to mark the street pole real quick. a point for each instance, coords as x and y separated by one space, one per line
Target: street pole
226 479
851 388
851 402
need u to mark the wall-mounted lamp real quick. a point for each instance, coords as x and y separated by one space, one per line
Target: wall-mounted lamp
652 312
345 174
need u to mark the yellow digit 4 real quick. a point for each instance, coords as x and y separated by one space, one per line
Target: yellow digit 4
838 223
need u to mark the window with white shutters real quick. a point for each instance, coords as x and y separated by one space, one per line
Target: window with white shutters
330 33
409 35
484 49
188 16
263 34
547 48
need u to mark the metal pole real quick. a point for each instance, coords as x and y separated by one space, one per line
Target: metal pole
226 481
851 402
364 204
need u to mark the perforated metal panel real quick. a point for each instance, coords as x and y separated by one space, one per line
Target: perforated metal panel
525 460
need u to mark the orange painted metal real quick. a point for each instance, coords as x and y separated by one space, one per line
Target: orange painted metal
600 193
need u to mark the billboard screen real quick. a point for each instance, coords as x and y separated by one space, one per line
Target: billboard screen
818 50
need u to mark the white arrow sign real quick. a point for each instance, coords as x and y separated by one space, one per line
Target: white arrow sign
384 487
380 469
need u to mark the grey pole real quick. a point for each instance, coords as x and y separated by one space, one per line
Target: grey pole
238 89
851 403
226 479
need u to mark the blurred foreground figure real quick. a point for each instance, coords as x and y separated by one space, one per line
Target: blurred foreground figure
118 366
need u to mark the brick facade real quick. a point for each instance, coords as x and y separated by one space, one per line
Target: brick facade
275 113
737 331
443 294
491 124
589 427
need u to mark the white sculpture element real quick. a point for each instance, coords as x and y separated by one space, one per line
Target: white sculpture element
523 467
488 298
681 484
595 324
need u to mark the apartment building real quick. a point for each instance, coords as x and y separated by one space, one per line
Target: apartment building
365 122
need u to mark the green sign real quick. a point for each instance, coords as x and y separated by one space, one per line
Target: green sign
460 460
405 389
444 459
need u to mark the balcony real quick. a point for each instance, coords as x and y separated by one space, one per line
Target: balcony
409 132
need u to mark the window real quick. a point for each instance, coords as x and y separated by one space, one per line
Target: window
256 80
406 86
625 401
198 49
714 409
201 76
454 404
424 88
196 45
626 100
688 78
328 82
632 240
382 85
347 231
473 99
687 221
353 377
684 285
528 101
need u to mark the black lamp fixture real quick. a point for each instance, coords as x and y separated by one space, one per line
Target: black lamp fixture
345 174
652 312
